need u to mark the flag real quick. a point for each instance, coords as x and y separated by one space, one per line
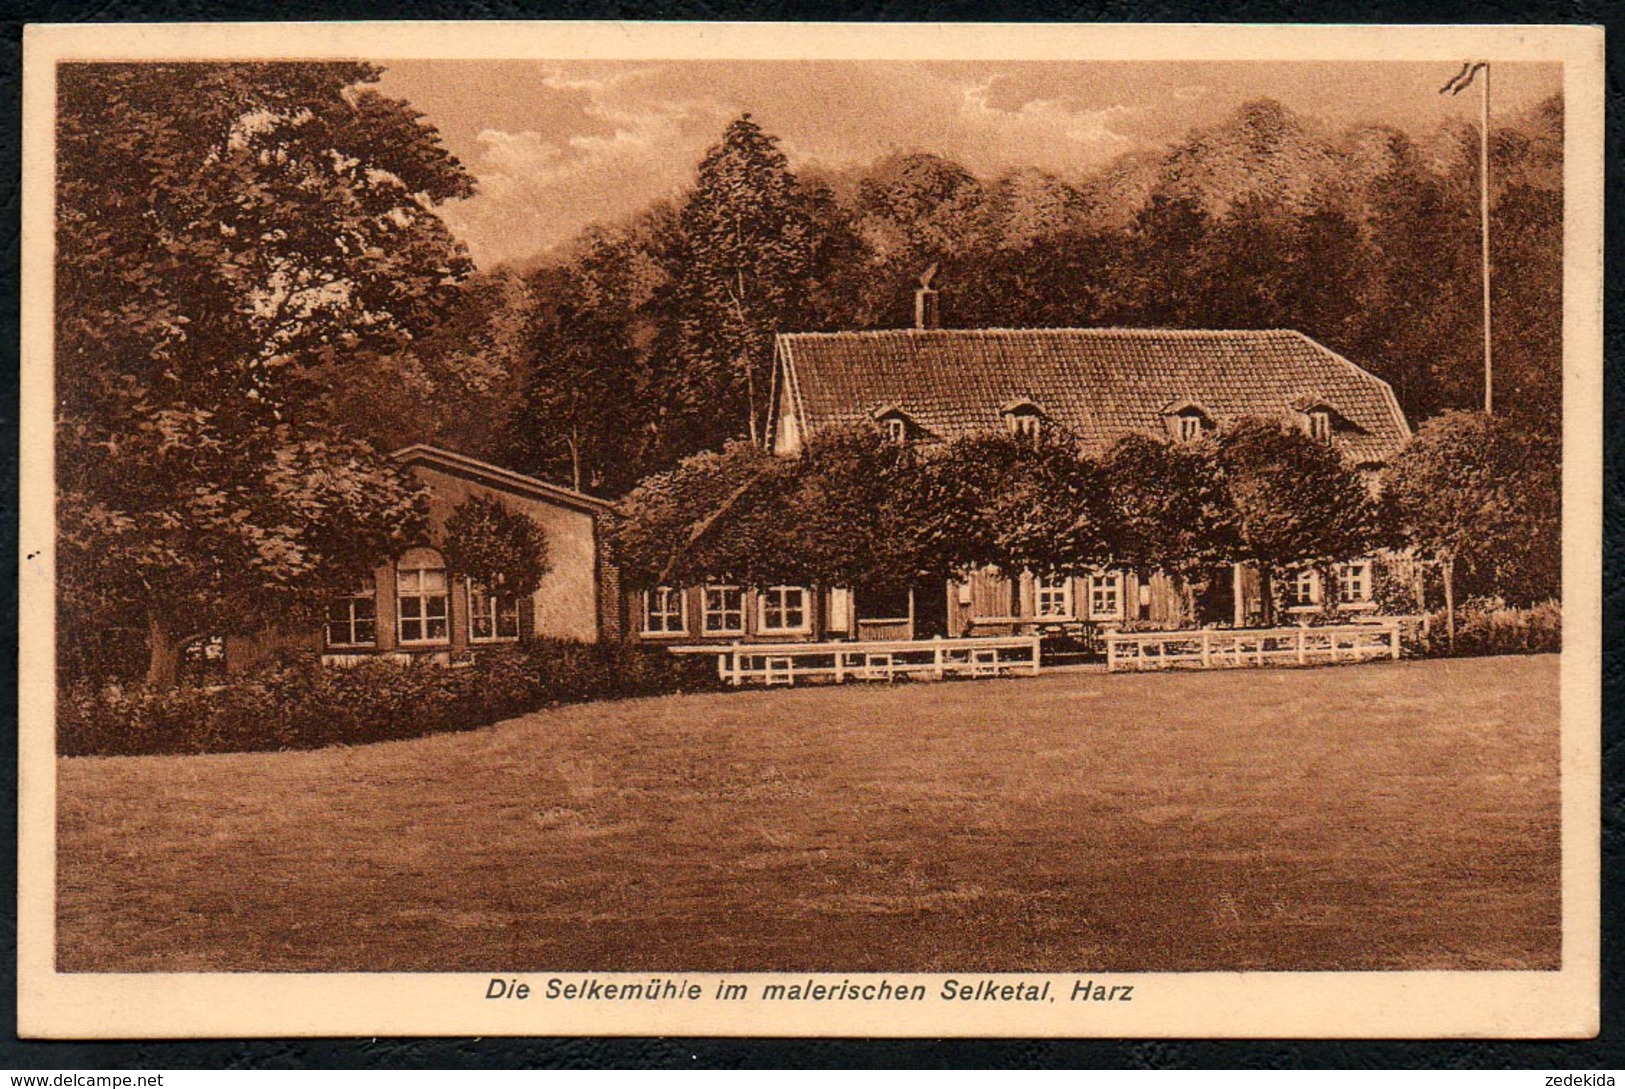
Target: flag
1463 79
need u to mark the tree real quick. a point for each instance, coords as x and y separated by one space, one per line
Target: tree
710 517
848 513
749 246
227 236
498 548
1170 507
1481 498
1294 501
1012 502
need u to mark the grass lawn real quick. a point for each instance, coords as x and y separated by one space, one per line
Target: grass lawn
1397 815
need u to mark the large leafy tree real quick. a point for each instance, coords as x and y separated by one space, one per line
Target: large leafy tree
1170 508
710 517
1012 502
1482 498
748 251
1294 501
228 236
848 511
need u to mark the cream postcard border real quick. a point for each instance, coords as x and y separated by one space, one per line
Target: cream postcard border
1258 1004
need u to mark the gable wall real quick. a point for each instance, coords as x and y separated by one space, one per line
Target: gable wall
566 602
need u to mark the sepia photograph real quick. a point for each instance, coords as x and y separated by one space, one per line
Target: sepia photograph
641 531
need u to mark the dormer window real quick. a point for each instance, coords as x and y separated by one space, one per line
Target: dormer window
1320 418
1024 418
1186 420
896 425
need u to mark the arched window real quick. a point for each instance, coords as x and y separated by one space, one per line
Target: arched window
420 597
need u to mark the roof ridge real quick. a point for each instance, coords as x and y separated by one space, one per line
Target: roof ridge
430 452
1129 330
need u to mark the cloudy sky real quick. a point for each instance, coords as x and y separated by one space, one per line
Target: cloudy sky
559 145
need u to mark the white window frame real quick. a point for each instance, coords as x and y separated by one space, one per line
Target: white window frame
349 602
782 593
1320 425
1112 583
896 429
1359 572
492 612
667 595
1044 589
424 596
708 614
1025 424
1306 589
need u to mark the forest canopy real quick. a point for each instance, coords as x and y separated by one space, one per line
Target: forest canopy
650 339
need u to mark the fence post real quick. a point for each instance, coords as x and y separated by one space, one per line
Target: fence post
936 657
1037 647
1111 652
1300 645
1207 649
1393 640
734 654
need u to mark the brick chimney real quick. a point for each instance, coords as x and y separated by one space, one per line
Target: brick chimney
927 310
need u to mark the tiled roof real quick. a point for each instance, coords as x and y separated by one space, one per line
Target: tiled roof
1100 384
497 477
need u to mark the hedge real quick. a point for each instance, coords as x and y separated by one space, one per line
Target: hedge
306 705
1488 626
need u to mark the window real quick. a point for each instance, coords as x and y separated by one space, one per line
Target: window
1190 427
663 612
1304 589
1025 425
1320 425
203 660
724 610
1106 596
1052 596
784 608
420 596
353 621
896 429
1354 583
491 617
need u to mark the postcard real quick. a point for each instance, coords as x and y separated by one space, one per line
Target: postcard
797 529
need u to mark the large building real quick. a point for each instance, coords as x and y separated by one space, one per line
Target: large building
413 607
929 386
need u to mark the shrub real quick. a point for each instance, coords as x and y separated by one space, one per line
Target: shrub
306 706
1489 626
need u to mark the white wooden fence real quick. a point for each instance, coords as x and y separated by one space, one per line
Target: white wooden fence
1223 648
787 663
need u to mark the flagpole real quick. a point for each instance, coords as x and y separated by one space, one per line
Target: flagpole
1484 230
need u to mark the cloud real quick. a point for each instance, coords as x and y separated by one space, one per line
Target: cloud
538 188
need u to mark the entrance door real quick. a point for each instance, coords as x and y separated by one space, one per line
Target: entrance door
1216 599
931 609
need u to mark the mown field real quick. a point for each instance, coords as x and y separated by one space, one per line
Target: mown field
1400 815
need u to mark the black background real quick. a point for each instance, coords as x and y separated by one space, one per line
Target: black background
1605 1053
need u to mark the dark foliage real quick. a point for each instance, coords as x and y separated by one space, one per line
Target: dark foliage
305 706
500 549
1367 242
